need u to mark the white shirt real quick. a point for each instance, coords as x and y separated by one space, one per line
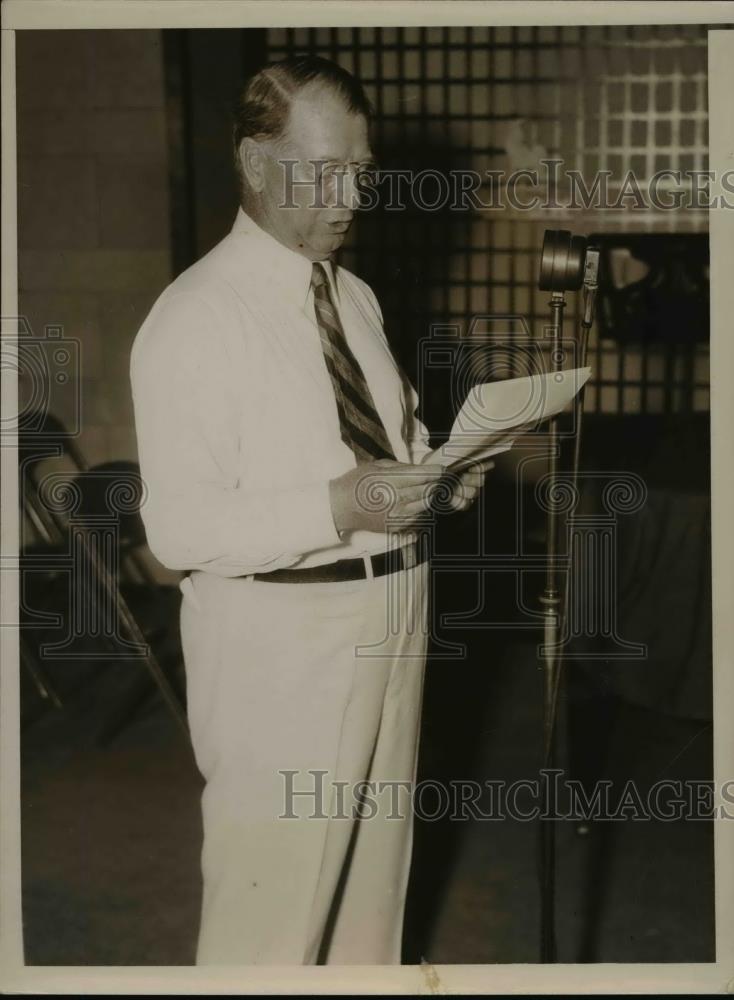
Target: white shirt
237 425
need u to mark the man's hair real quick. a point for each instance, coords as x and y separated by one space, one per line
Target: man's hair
264 104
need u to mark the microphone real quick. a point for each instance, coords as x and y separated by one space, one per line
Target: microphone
566 264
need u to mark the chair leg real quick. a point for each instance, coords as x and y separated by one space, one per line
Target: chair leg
129 623
154 668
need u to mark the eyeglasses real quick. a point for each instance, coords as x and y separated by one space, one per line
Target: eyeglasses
330 175
335 172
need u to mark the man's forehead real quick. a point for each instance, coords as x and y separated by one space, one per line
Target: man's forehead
320 119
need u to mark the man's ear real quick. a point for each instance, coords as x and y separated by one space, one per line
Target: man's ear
252 162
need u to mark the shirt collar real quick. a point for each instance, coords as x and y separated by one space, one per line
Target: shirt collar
291 270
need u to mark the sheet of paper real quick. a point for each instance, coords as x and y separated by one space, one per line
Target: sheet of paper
495 414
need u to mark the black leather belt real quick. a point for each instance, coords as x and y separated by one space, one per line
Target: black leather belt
351 569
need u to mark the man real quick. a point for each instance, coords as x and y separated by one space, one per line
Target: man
273 425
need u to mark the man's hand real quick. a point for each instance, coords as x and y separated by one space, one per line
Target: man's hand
467 484
383 496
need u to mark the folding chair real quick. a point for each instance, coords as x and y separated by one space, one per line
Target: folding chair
83 530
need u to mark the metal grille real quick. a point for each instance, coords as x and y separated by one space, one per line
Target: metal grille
609 98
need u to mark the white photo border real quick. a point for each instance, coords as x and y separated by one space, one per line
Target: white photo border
715 977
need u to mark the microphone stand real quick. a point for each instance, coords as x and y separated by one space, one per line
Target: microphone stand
554 603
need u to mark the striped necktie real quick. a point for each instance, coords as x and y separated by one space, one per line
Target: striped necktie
359 422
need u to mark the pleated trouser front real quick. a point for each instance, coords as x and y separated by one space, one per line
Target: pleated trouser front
310 689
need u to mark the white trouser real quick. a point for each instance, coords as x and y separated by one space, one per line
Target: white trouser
325 680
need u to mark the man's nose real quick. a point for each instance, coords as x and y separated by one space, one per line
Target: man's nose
352 196
346 192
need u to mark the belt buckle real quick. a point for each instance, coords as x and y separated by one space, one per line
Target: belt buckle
410 555
369 572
